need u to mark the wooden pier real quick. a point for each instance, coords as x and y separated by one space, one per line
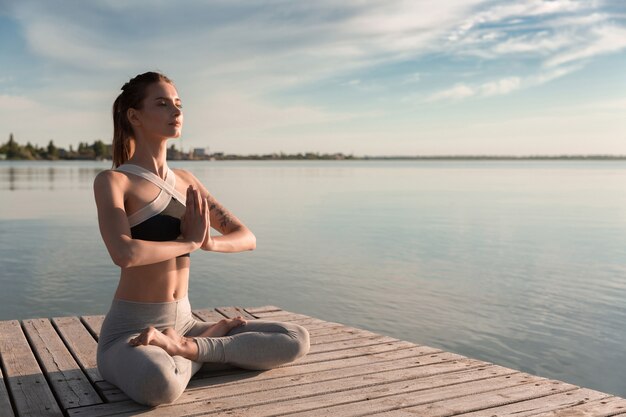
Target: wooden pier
49 369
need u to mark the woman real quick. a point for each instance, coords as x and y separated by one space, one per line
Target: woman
151 217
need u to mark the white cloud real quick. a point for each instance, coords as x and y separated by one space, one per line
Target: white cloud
503 86
605 39
552 74
540 43
457 92
517 10
491 88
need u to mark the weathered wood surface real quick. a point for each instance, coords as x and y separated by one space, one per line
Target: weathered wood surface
29 391
68 381
49 368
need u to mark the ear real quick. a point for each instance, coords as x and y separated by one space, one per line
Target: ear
133 117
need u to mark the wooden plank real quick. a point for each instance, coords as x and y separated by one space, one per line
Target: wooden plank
93 324
349 344
282 315
6 409
541 405
208 315
322 327
343 335
484 401
29 388
69 383
605 407
232 312
110 392
350 353
81 343
262 309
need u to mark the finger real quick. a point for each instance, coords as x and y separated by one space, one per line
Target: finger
198 201
192 200
189 203
208 213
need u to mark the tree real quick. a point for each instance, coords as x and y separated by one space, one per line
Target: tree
53 152
12 148
99 148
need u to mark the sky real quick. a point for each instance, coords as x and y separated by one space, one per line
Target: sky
377 77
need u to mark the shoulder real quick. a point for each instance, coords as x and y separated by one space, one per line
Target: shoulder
110 179
189 179
186 176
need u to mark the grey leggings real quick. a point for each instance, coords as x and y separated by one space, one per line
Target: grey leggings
150 376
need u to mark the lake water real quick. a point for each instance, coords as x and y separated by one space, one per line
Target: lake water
520 263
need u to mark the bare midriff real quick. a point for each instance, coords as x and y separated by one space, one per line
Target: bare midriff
156 283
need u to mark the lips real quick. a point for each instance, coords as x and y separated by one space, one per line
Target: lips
176 123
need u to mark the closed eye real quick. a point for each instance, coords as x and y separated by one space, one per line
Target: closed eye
162 101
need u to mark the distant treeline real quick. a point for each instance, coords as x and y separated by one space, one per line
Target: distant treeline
98 150
13 150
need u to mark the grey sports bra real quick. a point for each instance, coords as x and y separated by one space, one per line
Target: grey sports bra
160 219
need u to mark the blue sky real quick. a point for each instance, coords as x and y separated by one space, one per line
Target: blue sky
380 77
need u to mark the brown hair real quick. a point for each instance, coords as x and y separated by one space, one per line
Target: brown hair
132 96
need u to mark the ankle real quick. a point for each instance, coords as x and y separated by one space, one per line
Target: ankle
188 348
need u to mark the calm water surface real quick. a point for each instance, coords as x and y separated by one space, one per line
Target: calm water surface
518 263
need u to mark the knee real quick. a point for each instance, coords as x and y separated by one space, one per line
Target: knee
159 386
301 340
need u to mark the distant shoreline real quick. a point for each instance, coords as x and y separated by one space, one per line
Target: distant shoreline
365 158
100 151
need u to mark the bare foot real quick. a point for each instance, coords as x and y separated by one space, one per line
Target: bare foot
168 340
222 327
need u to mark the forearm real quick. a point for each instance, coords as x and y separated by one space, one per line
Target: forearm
135 252
238 240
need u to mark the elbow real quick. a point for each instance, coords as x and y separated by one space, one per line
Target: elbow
252 241
122 260
123 256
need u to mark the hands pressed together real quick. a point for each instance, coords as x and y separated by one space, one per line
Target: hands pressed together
195 223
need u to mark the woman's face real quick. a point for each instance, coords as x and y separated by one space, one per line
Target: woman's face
161 114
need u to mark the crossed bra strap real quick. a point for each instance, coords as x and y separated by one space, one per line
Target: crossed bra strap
161 201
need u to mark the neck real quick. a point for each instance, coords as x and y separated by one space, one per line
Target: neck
151 155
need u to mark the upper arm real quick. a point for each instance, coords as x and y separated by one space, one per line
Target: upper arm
112 220
221 218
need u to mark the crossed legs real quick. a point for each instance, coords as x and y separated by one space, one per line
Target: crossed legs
176 344
155 367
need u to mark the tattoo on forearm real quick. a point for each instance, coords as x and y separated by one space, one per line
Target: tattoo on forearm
225 218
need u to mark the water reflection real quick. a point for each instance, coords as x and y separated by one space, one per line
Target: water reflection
22 175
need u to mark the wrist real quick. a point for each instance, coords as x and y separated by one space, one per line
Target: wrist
208 244
192 244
